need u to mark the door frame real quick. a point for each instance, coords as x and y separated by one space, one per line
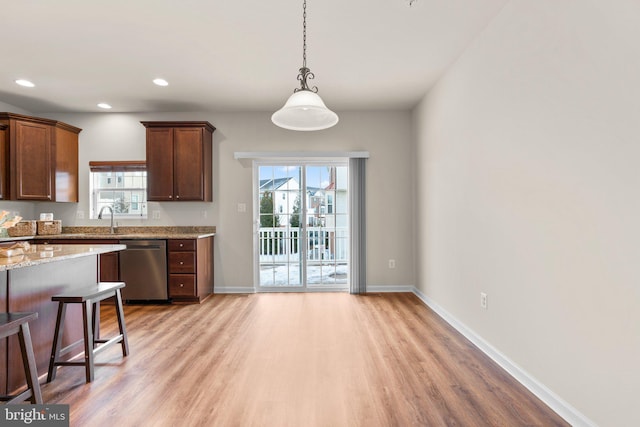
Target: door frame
302 162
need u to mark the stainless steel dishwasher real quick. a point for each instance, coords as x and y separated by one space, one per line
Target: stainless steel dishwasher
143 268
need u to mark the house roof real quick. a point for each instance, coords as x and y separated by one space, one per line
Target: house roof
273 184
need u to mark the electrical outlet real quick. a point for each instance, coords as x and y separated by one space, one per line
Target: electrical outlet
156 214
205 214
80 215
242 207
392 263
483 300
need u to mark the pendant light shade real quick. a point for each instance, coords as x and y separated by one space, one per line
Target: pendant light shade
304 110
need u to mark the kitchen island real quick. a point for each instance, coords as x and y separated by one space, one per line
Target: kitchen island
27 282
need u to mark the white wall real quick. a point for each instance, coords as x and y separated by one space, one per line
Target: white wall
528 188
4 107
386 135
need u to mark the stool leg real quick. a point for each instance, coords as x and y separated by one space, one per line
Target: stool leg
95 322
88 340
29 362
57 341
123 328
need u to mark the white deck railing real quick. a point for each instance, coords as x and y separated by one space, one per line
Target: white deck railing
283 244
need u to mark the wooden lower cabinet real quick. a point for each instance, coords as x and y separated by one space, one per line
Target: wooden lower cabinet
190 263
110 267
190 266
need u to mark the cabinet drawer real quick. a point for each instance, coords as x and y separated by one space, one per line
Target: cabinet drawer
182 262
182 285
182 245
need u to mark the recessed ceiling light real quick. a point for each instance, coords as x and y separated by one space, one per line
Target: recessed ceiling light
161 82
25 83
104 105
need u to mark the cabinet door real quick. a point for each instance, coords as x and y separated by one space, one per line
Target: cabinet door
66 165
182 285
33 180
188 164
4 169
159 164
182 262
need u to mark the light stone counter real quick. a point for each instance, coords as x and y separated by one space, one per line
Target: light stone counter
41 254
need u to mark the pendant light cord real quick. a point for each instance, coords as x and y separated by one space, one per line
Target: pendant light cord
305 73
304 34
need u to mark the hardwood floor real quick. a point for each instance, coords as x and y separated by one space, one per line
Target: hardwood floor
294 360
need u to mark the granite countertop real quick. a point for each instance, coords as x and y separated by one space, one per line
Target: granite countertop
41 254
125 233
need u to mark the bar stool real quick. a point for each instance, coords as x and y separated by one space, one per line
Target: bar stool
18 323
89 297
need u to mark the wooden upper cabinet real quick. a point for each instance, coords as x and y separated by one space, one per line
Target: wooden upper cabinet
41 159
4 166
33 165
159 164
66 162
179 161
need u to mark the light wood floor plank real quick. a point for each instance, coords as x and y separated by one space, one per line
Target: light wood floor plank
316 359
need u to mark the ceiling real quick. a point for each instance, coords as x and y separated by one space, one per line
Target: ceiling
229 55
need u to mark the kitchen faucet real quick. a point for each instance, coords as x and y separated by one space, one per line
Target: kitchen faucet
111 228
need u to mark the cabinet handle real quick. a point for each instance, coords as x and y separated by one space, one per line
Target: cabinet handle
177 197
181 244
181 262
181 285
171 197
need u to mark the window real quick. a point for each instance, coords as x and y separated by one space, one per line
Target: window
119 185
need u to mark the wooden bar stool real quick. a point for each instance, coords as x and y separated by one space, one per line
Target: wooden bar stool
18 323
88 297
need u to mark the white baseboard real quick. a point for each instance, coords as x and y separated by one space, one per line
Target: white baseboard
552 400
233 290
388 288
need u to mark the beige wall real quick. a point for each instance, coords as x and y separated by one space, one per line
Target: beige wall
528 189
386 135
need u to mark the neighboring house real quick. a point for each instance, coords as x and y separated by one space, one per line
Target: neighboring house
321 203
124 192
326 213
284 192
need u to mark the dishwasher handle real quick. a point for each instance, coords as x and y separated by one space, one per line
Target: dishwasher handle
144 248
144 245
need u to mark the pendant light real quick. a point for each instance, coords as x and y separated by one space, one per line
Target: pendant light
304 110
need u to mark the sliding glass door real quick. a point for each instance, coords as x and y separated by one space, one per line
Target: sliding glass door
302 221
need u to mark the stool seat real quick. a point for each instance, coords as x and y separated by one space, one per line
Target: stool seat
99 292
18 323
89 297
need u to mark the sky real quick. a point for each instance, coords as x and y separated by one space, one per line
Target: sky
317 176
